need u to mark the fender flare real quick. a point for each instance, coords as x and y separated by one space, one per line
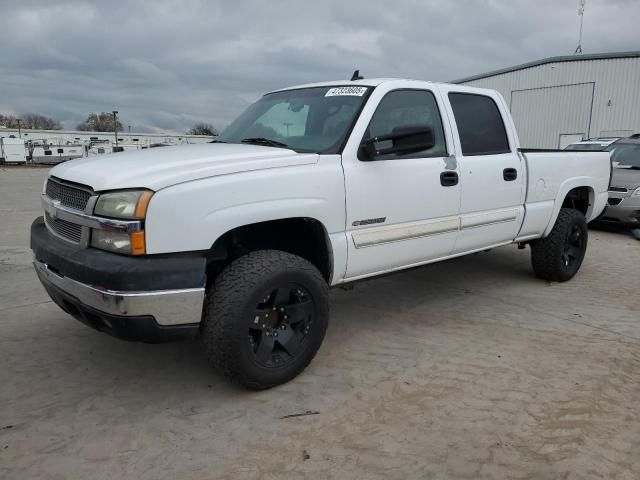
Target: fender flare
563 191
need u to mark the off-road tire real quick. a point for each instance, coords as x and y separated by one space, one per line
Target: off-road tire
547 253
230 305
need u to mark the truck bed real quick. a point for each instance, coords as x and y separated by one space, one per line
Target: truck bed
552 174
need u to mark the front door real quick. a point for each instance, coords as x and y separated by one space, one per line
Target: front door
401 210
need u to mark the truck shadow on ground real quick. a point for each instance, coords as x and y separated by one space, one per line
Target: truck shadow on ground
80 356
612 228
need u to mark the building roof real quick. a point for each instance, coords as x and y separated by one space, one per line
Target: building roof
544 61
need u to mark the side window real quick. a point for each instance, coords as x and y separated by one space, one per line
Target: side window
480 124
409 108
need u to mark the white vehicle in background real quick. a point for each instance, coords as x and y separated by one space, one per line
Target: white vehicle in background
45 153
106 148
96 148
598 144
311 187
12 150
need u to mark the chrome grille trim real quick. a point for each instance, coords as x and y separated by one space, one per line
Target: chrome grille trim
87 220
68 231
72 196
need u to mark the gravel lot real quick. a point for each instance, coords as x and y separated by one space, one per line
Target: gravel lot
472 368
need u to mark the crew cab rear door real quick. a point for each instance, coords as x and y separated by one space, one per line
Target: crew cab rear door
492 173
401 209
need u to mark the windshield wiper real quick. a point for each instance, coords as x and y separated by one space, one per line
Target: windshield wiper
264 141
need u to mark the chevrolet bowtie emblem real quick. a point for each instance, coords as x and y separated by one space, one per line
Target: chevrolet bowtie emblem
52 208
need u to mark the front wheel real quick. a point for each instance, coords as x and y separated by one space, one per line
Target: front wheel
558 257
264 318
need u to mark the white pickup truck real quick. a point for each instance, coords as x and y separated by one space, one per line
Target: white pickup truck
313 186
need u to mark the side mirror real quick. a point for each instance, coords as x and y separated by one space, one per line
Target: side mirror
401 140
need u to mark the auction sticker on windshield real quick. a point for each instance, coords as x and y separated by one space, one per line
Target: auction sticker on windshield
349 91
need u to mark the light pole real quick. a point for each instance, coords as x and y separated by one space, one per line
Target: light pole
115 125
19 120
129 129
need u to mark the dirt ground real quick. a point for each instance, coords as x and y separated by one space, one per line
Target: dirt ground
468 369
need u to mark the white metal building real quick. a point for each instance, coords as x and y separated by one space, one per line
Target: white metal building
560 100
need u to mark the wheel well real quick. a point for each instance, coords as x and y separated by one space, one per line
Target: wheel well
578 199
305 237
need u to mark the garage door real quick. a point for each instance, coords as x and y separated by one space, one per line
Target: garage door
541 115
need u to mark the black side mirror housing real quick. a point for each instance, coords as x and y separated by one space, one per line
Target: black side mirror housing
404 140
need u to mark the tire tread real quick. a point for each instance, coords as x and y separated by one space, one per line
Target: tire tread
545 252
224 303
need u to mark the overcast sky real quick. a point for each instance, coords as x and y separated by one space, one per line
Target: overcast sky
166 65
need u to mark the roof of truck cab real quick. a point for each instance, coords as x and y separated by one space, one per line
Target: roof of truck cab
366 82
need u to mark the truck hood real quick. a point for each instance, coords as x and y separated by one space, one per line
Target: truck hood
162 167
626 178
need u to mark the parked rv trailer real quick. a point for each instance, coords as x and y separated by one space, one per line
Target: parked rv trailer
12 150
53 154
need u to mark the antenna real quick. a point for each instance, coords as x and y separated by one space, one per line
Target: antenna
356 76
581 4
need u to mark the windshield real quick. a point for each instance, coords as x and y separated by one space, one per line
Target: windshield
625 155
305 120
585 146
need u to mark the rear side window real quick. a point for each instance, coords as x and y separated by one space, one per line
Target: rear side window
480 124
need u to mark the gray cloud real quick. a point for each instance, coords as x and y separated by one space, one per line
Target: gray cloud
166 65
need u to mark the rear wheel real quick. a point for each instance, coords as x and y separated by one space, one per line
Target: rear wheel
265 317
559 256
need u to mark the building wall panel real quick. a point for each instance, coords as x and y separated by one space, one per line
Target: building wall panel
572 104
616 95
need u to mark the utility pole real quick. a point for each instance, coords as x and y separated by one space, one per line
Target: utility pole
115 125
581 4
19 120
129 129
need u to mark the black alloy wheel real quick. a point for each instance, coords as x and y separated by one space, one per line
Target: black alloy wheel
573 246
280 325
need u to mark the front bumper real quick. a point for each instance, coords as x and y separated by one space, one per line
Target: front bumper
152 298
626 213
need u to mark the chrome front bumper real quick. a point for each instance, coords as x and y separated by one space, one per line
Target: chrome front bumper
167 307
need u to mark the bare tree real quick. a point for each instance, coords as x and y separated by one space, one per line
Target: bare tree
40 122
202 129
102 122
30 121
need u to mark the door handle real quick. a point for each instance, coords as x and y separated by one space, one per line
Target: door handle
509 174
448 179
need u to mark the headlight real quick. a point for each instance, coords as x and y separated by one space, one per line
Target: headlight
126 204
636 193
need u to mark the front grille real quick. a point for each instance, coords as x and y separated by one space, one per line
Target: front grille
618 189
614 201
68 230
68 195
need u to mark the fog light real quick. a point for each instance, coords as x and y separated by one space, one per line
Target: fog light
119 242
